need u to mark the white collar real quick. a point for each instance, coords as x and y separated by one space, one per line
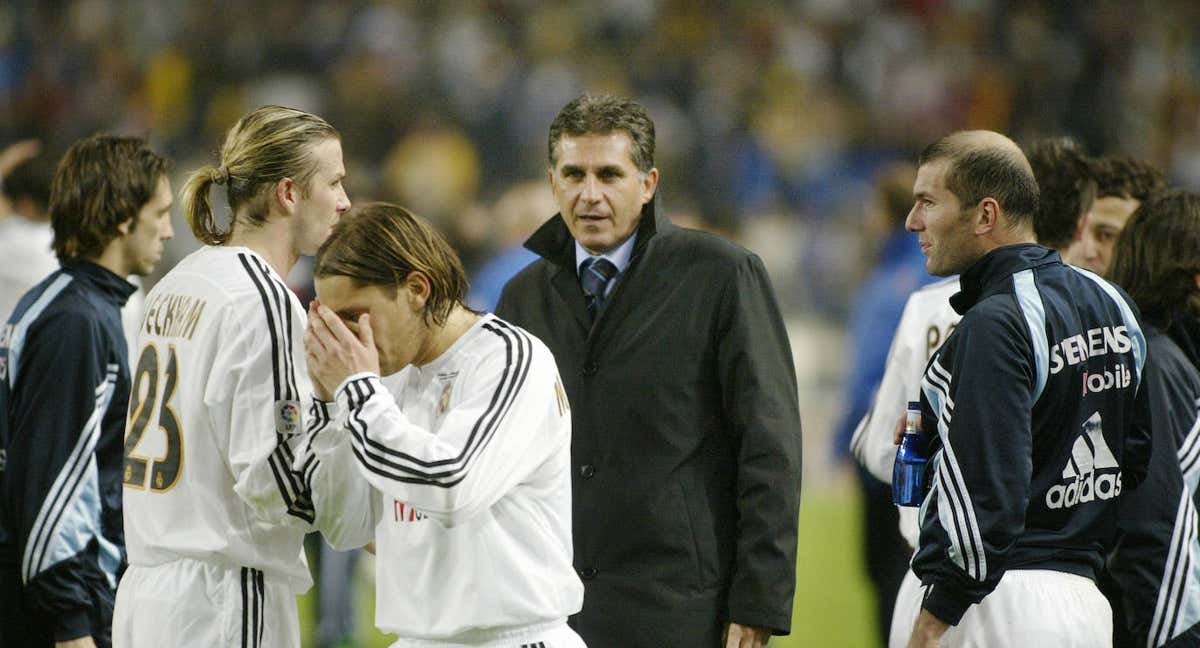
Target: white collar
619 257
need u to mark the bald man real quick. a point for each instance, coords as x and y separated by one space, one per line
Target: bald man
1028 410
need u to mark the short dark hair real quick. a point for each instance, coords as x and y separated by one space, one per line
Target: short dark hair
601 115
980 171
101 182
1157 255
380 244
1065 189
1121 176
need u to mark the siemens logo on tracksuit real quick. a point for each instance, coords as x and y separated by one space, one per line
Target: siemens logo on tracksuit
1098 341
1029 410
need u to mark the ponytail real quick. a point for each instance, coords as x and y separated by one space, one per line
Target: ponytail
198 207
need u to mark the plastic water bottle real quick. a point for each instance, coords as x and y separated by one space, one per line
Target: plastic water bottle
908 473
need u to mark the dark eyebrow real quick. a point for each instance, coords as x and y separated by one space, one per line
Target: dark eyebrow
568 168
615 170
920 195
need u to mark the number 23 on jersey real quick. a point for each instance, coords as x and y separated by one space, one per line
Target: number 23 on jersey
148 404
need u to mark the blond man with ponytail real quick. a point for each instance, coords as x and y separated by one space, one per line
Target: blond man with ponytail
216 506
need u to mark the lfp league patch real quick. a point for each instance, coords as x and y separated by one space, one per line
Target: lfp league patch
287 416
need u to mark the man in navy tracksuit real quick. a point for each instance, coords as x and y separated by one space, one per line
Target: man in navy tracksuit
1029 409
64 388
1153 579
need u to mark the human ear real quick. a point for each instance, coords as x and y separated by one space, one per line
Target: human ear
649 184
286 194
986 215
417 287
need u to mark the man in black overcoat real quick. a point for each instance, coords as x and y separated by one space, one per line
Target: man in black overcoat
686 426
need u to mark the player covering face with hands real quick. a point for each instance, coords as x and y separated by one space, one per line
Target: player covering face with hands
461 454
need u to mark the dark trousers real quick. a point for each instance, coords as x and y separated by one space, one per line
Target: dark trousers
885 552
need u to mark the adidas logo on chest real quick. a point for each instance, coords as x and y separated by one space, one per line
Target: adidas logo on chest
1092 473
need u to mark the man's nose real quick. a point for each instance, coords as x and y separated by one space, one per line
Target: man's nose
911 222
591 190
1091 250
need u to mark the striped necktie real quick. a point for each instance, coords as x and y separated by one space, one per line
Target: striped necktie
595 274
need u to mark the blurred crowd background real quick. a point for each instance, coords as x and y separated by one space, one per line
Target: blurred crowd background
773 117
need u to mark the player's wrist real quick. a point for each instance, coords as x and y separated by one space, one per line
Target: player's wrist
347 396
945 604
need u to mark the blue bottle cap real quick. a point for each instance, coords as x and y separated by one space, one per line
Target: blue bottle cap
914 405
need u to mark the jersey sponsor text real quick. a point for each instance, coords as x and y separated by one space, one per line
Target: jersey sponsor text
402 512
1118 377
1096 342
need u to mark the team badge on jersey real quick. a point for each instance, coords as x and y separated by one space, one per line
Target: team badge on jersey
287 416
444 401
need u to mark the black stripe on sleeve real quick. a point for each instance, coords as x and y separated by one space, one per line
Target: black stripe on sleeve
296 496
283 306
1176 581
257 607
379 458
262 604
291 486
510 384
245 608
270 323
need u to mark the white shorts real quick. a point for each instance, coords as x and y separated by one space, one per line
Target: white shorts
1029 607
555 634
187 603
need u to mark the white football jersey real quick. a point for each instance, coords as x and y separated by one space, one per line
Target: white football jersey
465 486
216 414
927 321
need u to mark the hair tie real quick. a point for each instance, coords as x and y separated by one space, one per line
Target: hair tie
222 175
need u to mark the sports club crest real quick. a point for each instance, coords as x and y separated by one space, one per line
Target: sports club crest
287 416
447 387
444 401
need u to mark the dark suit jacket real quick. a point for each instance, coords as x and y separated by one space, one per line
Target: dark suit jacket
686 435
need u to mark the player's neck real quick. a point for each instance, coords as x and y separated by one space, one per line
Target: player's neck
113 258
271 241
443 337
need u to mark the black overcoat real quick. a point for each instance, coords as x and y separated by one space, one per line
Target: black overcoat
686 435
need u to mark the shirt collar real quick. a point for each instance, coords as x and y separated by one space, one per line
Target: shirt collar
982 278
619 257
117 288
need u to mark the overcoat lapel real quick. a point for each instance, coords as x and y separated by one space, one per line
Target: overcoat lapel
638 284
566 288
